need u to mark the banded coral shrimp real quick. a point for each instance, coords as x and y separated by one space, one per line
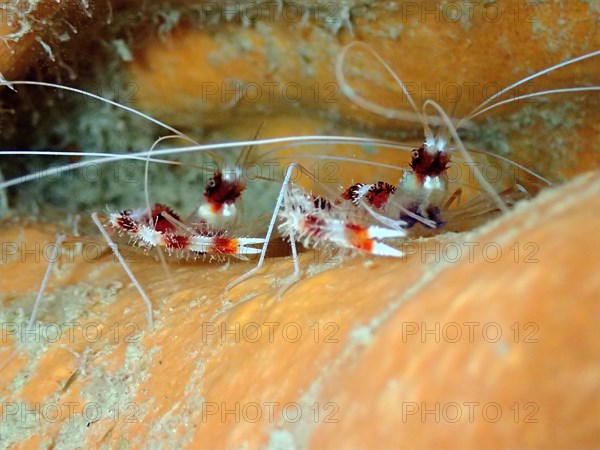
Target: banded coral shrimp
424 189
164 217
423 194
363 195
178 332
426 126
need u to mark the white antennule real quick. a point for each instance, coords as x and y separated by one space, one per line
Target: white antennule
10 84
105 158
374 107
115 250
536 94
32 318
383 111
465 154
477 110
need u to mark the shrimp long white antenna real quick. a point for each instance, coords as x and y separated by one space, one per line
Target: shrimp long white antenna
115 250
101 155
526 79
296 141
147 166
104 158
396 224
159 250
149 159
515 164
263 253
396 146
342 158
465 154
290 141
536 94
97 97
53 258
142 155
374 107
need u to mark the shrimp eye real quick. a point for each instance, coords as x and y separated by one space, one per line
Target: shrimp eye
211 183
415 153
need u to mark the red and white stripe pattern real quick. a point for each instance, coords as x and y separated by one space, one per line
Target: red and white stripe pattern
313 220
154 229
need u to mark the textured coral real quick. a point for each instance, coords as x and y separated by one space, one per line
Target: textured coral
486 338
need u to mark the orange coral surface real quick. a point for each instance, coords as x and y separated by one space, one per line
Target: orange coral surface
482 339
492 345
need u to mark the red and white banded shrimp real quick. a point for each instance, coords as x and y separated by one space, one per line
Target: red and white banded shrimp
211 228
423 193
306 217
423 190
